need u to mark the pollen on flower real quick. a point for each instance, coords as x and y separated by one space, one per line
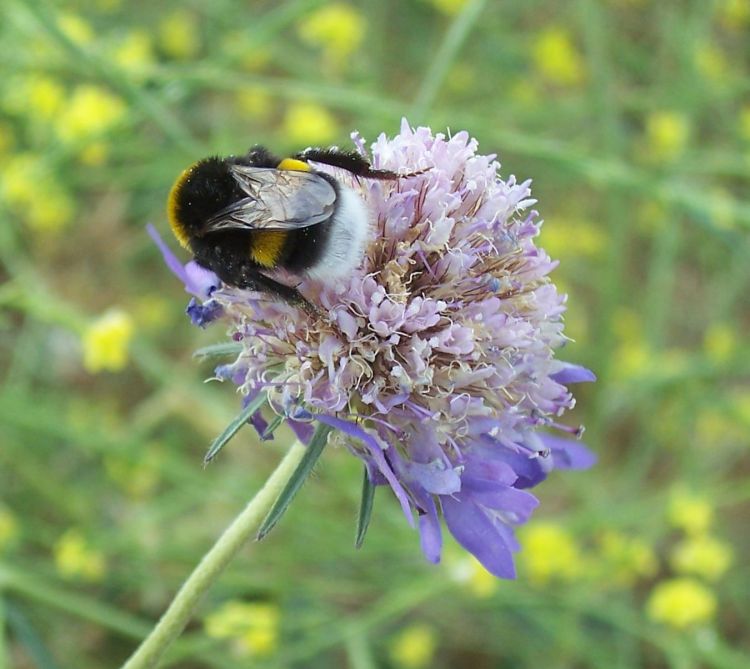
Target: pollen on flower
106 341
556 58
414 647
337 28
701 555
681 603
75 558
252 626
307 122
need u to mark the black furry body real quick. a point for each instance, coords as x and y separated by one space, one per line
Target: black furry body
202 211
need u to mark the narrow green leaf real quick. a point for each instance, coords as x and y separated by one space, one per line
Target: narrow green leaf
365 509
29 638
218 350
313 452
268 432
234 427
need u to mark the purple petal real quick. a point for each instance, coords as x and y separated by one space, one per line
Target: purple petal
479 535
303 431
203 314
573 374
197 280
518 504
200 281
170 259
430 535
568 454
435 477
376 452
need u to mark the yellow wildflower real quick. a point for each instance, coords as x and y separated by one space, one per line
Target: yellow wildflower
76 29
254 102
135 53
573 238
681 603
90 112
722 208
625 558
94 154
106 340
701 555
556 58
744 123
337 28
688 511
179 35
138 478
667 134
549 553
711 62
50 213
469 572
734 14
719 428
720 342
414 647
448 7
35 96
253 626
74 558
8 528
481 583
22 178
309 123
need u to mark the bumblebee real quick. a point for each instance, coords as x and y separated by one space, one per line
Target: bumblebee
245 216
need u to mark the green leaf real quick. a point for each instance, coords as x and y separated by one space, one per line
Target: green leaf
234 427
218 350
272 426
365 509
313 452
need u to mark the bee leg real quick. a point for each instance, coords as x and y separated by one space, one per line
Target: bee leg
351 161
264 284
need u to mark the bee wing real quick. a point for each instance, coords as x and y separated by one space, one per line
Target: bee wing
276 200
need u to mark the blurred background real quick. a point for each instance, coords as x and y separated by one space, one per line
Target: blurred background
633 119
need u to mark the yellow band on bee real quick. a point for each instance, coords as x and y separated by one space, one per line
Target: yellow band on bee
177 227
267 246
293 164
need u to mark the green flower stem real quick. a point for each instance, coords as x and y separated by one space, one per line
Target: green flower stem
213 564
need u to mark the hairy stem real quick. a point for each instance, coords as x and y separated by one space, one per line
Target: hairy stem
213 564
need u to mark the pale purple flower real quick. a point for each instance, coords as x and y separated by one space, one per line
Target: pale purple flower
435 360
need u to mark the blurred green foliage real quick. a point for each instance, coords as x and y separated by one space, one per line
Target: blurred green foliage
633 118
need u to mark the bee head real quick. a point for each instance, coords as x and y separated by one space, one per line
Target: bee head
202 190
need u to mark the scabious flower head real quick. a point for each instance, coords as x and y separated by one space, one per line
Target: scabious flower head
434 360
